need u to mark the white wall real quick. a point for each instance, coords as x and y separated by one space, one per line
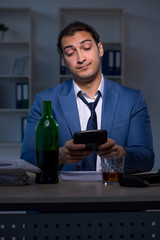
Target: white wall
142 50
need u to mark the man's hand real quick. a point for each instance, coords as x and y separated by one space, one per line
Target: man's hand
110 148
72 153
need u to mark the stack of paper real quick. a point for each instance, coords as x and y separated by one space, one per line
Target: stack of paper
14 172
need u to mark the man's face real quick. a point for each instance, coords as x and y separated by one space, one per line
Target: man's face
82 56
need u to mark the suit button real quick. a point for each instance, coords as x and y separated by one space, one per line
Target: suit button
78 168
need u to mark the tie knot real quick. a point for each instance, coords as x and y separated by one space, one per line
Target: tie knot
91 105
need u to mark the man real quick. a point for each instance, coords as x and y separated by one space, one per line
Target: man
120 110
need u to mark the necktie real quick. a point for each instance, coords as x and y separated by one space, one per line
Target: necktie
89 163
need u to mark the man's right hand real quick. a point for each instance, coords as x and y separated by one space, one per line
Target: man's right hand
72 153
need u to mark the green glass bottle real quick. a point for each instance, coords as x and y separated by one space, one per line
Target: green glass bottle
47 146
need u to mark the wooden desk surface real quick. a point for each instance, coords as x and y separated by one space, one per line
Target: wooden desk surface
72 194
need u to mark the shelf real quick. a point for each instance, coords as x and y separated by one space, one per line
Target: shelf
10 110
10 144
65 76
16 58
13 43
14 76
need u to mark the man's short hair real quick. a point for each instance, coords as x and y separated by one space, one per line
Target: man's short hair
74 27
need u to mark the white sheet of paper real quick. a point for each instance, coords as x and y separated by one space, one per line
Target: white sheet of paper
81 175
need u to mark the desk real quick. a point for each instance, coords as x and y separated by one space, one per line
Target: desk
79 210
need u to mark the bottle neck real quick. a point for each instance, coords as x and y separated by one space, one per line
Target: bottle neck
47 109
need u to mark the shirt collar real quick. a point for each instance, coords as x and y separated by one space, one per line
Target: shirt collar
100 88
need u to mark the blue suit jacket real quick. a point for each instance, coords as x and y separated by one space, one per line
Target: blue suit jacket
124 116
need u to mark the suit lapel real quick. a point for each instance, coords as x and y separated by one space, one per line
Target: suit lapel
110 100
69 107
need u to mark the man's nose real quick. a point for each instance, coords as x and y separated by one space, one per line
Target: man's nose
80 57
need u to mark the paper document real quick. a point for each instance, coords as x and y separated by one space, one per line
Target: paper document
81 175
14 172
17 165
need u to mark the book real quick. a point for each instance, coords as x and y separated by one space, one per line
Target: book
15 67
20 65
25 65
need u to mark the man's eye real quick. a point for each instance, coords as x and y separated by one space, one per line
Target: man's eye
87 49
69 54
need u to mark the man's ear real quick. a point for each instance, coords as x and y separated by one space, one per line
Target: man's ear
100 49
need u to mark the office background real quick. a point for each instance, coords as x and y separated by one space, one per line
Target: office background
141 49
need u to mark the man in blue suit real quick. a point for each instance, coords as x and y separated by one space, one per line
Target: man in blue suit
122 111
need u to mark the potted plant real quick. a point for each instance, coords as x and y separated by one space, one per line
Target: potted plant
3 29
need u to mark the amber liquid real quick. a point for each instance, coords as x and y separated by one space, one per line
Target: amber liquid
112 177
47 161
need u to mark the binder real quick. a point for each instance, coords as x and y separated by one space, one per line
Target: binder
22 95
18 95
25 95
117 62
108 62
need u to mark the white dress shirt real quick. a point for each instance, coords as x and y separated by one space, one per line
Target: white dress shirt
84 111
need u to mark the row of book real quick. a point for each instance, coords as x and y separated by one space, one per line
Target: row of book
22 95
20 65
111 62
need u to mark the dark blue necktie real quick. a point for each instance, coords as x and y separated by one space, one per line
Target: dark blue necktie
89 163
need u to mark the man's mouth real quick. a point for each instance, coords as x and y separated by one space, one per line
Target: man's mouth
84 67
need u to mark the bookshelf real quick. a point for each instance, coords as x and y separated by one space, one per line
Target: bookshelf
15 69
109 25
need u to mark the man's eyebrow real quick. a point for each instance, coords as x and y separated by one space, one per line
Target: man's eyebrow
70 46
86 40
